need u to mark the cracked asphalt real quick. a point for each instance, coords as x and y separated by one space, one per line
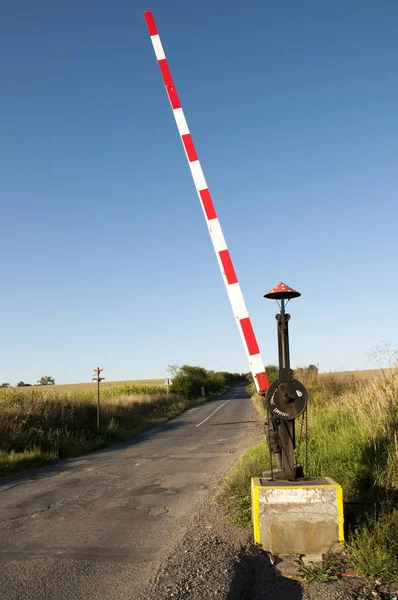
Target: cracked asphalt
101 526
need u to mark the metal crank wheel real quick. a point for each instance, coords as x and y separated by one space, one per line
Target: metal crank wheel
286 399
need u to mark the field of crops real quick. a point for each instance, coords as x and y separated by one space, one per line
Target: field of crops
87 386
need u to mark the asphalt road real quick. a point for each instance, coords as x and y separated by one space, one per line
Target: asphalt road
101 525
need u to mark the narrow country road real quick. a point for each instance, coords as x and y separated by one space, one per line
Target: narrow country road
100 526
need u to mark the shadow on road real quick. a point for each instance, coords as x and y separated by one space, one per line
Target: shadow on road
256 579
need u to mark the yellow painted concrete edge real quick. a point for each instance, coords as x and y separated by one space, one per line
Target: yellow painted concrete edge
340 511
256 505
256 511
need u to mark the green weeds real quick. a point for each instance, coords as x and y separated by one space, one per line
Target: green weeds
373 548
327 570
236 490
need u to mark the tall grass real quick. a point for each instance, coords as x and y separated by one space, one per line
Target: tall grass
353 425
46 425
373 547
353 437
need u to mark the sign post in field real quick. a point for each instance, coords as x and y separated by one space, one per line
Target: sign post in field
97 377
168 383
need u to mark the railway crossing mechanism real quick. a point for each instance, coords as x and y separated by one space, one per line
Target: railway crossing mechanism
291 512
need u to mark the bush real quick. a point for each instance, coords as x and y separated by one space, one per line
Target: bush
189 381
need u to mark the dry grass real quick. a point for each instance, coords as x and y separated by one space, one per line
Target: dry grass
372 400
359 375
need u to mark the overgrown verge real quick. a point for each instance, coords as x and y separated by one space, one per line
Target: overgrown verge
47 427
353 439
42 426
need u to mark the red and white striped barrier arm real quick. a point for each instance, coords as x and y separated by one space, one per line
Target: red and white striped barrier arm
224 259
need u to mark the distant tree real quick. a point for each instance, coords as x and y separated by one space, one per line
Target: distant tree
312 369
46 380
384 356
23 384
173 370
189 381
5 385
218 380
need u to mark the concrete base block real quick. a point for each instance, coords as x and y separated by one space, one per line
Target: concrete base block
303 517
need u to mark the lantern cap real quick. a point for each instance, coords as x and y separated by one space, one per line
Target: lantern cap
282 292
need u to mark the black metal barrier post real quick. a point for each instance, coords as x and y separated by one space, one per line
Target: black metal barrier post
286 398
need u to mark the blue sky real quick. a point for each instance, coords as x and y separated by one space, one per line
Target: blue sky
105 254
